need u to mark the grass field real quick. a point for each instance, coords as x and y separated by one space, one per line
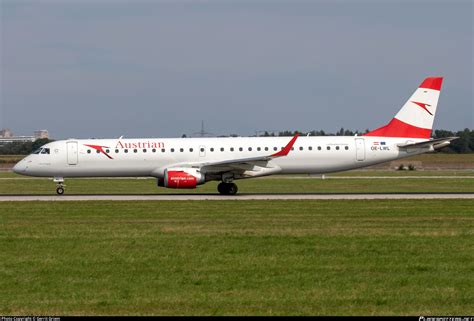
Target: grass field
8 159
384 257
443 158
361 181
274 184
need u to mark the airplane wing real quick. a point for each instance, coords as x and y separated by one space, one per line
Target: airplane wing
433 143
252 160
245 167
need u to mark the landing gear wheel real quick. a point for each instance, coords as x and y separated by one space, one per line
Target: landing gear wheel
227 188
232 190
59 185
60 190
221 188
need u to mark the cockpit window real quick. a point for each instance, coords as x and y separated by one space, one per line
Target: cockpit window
42 151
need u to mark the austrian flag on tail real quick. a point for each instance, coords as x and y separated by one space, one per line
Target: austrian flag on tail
415 119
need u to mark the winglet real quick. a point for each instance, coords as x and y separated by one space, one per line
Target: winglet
287 148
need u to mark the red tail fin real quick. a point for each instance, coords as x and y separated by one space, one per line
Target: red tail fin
415 119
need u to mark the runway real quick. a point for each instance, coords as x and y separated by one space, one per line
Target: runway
239 197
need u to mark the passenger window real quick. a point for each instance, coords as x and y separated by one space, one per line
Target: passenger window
153 150
126 151
241 149
337 147
275 148
97 151
346 148
212 149
266 149
258 148
172 150
222 149
250 149
202 149
135 150
292 148
107 151
232 149
328 148
88 151
190 150
144 150
181 150
163 150
116 151
301 147
319 147
310 147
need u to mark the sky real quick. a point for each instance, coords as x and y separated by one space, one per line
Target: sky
108 68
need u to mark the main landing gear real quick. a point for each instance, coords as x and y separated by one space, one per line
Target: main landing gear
59 185
227 188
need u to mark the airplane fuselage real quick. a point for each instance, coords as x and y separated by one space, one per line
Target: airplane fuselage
151 156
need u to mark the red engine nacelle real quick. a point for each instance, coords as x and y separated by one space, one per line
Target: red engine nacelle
181 178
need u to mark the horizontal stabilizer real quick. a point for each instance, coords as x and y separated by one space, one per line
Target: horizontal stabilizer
435 143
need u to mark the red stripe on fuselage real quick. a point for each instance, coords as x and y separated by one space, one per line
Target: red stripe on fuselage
397 128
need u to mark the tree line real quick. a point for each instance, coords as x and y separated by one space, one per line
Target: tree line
23 148
465 143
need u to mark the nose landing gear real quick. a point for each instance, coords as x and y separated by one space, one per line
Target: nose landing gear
227 188
59 185
60 190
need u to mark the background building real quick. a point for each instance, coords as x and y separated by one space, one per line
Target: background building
7 136
42 133
6 133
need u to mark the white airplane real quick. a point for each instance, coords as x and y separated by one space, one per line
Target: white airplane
188 162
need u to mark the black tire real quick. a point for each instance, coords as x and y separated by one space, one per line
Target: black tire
227 188
60 190
222 188
232 189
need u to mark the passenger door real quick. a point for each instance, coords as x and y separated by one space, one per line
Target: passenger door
72 154
360 149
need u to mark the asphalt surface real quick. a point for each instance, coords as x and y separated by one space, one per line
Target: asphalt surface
242 197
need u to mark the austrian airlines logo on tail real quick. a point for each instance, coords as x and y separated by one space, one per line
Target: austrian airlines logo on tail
410 121
100 149
424 106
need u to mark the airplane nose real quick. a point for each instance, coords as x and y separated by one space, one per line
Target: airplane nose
19 167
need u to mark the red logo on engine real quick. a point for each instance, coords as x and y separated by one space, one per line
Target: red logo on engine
180 179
